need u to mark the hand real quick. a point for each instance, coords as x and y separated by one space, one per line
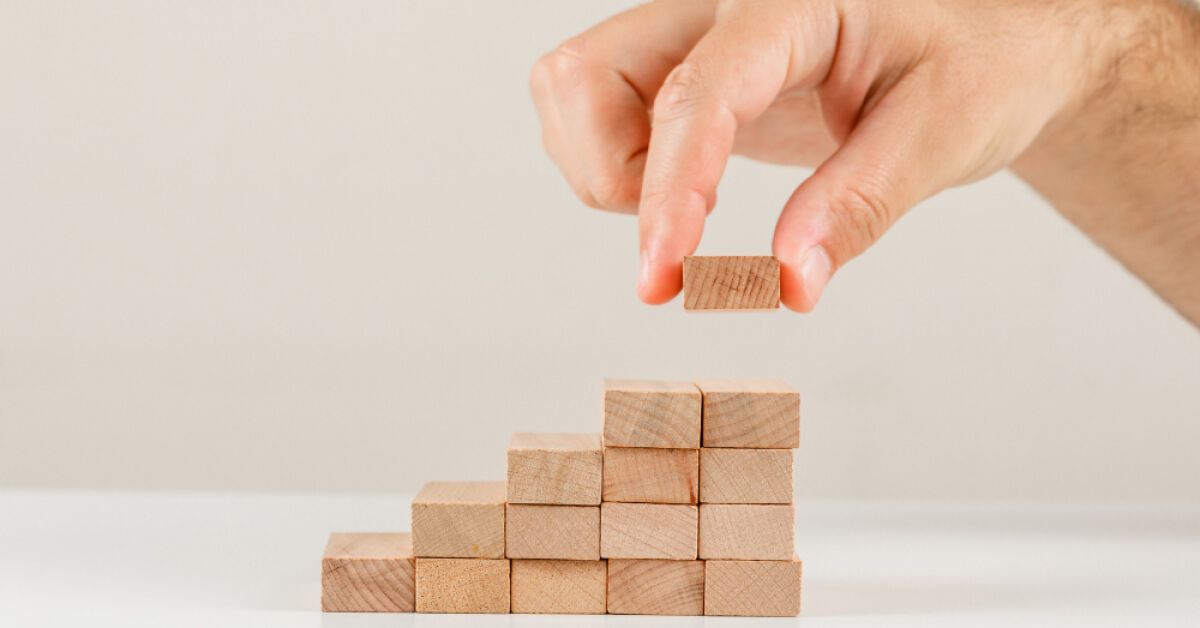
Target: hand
893 101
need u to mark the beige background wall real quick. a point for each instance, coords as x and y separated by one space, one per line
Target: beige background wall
316 246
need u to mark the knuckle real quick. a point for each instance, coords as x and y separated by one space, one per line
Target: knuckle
561 64
611 192
863 216
584 194
681 94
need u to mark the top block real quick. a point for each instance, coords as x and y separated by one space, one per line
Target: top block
750 413
459 520
642 413
730 283
555 468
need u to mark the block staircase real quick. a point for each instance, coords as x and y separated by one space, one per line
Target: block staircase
683 506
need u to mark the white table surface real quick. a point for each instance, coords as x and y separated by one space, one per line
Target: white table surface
145 559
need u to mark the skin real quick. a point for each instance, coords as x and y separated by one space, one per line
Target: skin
1095 103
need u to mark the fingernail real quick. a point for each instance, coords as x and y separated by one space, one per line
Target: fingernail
816 270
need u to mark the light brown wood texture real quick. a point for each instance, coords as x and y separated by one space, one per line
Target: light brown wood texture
648 531
366 571
752 588
650 413
554 468
730 283
459 520
656 587
657 476
747 532
560 586
462 585
553 532
750 413
745 476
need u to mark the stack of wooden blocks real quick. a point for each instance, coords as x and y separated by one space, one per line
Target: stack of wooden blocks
682 507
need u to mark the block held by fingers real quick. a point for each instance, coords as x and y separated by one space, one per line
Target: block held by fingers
730 283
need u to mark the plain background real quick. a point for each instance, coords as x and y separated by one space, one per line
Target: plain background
316 246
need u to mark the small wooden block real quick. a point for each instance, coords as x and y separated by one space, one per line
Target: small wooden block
462 585
646 413
730 283
577 587
745 476
555 469
648 531
747 532
368 572
553 532
752 588
656 476
752 413
459 520
656 587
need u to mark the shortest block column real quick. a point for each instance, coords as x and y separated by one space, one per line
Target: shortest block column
368 572
462 585
752 588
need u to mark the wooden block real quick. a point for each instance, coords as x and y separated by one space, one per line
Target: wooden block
747 532
646 413
745 476
730 283
577 587
657 476
752 413
368 571
656 587
555 469
553 532
462 585
752 588
648 531
459 520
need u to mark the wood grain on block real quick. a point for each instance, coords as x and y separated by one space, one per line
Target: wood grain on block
745 476
648 531
747 532
649 413
750 413
555 469
553 532
459 520
752 588
656 587
462 585
576 587
368 572
657 476
730 283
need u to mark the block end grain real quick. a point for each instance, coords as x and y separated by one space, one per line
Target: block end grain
648 413
729 283
368 572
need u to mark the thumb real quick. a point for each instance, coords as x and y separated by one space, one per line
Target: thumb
888 163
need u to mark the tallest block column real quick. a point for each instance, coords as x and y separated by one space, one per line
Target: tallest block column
648 520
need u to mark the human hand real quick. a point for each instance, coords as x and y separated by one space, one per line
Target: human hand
892 101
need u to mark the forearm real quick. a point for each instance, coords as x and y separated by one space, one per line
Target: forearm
1124 165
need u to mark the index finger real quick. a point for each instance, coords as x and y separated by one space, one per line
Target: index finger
731 76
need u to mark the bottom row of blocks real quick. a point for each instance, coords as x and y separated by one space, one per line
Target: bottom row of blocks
376 572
